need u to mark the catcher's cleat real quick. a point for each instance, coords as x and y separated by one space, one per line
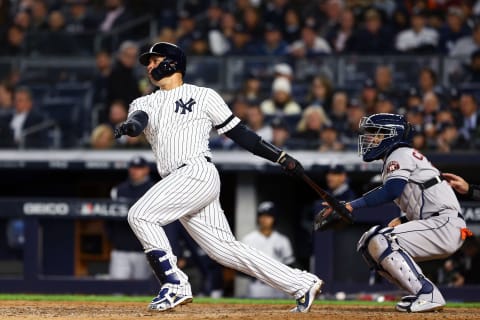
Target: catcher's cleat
304 303
427 302
167 299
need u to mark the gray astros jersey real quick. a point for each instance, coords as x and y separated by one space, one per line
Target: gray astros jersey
180 121
409 164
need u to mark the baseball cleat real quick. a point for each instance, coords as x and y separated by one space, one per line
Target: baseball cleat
427 302
166 299
304 303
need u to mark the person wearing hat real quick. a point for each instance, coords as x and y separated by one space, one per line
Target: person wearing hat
280 133
127 260
419 38
271 242
337 185
281 101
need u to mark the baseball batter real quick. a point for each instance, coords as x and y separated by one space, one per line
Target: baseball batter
433 226
177 120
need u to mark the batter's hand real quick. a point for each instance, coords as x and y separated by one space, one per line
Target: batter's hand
456 182
119 131
291 165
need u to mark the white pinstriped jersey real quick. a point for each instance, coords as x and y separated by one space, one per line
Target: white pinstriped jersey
409 164
180 121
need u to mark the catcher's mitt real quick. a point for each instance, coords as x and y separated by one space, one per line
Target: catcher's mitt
334 220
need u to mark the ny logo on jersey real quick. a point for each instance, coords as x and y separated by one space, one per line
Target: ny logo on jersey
185 106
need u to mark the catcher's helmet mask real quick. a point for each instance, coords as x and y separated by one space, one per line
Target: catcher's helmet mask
382 133
175 59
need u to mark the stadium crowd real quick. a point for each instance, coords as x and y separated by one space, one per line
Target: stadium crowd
322 116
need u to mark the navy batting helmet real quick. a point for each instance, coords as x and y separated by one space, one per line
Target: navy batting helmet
382 133
175 59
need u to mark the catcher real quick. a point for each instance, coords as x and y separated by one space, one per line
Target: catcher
432 227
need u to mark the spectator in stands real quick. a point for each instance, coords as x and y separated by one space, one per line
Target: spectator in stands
313 120
372 37
283 70
320 92
127 259
271 242
355 113
281 102
280 133
384 104
102 137
454 29
368 96
251 89
419 38
82 23
419 141
466 45
415 118
219 39
472 70
29 126
123 83
333 11
240 42
39 14
199 46
430 108
55 41
292 26
414 98
470 129
255 120
275 12
310 44
384 84
338 112
428 81
212 20
330 140
23 19
338 36
273 43
186 26
252 23
103 69
115 15
14 42
448 138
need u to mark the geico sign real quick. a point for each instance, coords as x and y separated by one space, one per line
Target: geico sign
47 208
104 209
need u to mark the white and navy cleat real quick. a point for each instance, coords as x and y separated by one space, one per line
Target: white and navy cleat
167 299
304 303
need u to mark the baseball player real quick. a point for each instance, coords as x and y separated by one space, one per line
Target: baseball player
177 120
271 242
432 227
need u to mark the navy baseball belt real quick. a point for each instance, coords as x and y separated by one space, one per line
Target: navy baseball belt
206 158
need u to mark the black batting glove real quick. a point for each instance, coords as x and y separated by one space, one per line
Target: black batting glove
291 165
120 131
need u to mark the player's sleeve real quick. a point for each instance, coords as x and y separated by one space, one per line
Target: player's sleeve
399 164
222 117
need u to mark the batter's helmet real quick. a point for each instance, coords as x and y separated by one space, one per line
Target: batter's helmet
381 134
175 59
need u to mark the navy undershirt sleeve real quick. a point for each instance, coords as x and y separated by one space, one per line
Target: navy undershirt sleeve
391 190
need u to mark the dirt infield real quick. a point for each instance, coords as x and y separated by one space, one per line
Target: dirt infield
136 310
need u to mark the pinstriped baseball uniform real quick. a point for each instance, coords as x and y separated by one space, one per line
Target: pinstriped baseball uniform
433 230
179 125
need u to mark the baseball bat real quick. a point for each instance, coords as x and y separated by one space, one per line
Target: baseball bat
328 198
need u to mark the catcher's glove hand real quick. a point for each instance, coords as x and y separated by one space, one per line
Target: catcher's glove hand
333 219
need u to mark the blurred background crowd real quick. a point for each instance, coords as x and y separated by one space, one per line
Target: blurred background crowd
300 73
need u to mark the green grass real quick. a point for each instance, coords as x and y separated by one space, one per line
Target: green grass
115 298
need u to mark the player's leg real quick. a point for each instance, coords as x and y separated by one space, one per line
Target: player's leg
178 194
210 229
382 252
